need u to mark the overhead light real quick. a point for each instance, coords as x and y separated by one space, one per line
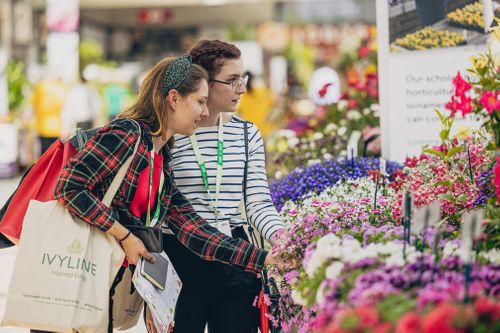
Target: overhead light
214 2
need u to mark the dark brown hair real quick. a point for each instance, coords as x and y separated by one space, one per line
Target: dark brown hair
151 105
211 54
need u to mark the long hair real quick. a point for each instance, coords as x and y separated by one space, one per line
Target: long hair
211 54
151 105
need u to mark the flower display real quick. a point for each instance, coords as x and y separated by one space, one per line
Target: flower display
428 38
315 178
469 16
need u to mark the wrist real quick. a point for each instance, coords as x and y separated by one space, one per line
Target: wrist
125 237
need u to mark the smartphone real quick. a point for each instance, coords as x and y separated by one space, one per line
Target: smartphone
155 272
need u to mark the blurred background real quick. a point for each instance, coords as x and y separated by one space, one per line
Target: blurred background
67 63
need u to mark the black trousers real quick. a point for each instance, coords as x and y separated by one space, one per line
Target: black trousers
213 294
117 280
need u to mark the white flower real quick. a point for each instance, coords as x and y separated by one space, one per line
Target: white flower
342 105
278 174
493 256
330 128
285 133
297 298
342 131
320 294
450 248
318 136
333 271
292 142
366 111
375 107
353 115
327 156
312 162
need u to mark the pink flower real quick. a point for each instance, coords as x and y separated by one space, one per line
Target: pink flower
496 180
461 86
459 102
490 100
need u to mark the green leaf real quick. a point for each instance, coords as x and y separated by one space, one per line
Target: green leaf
454 150
449 197
435 152
444 134
462 198
446 183
441 117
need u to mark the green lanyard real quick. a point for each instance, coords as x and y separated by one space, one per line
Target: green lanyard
220 162
160 188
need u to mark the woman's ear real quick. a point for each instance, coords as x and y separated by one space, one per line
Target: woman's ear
173 98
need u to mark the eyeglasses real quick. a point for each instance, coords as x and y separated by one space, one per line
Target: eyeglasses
236 83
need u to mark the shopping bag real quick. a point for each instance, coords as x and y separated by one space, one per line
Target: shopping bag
127 303
74 263
38 183
63 272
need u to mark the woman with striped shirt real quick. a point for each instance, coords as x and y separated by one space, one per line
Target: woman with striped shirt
208 169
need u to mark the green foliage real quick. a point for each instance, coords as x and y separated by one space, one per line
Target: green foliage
17 82
393 307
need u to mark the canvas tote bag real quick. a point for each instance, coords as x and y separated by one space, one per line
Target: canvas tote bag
64 269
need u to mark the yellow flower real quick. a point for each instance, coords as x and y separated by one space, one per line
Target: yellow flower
479 62
463 132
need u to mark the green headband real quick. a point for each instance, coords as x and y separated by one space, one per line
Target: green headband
176 73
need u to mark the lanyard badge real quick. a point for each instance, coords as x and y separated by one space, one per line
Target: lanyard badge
203 168
156 215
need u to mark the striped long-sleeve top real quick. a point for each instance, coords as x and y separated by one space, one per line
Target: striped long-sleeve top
260 210
86 177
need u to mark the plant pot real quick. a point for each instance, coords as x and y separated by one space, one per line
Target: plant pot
431 11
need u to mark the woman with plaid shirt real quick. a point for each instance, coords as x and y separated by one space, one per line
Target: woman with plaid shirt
172 100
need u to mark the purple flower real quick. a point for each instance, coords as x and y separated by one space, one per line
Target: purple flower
298 183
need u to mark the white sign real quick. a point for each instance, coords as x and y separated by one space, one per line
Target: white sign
352 144
251 53
488 14
383 167
8 143
4 92
472 224
62 55
324 87
425 217
415 83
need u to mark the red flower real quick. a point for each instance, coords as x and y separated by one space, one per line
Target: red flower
440 320
496 180
490 100
461 86
382 328
409 323
368 316
363 52
459 102
352 104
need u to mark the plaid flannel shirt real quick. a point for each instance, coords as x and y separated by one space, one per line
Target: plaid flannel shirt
87 176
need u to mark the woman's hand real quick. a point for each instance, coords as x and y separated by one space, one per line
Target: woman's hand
282 264
150 325
134 249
